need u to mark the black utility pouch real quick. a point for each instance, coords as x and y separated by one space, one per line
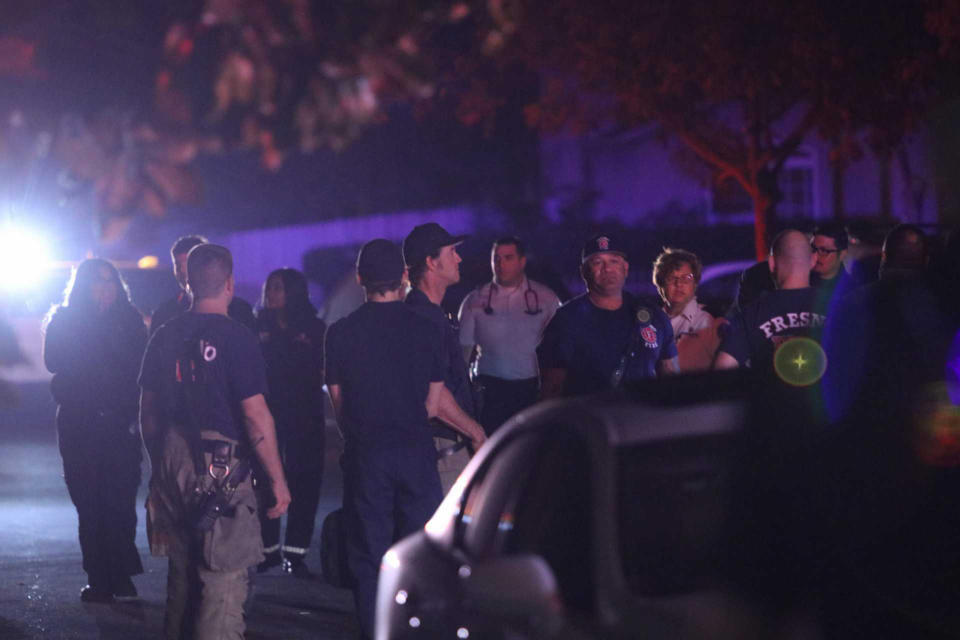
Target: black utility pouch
221 481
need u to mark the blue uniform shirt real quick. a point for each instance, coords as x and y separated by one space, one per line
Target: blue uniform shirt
589 342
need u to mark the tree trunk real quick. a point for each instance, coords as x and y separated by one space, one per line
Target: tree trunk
916 186
839 171
761 209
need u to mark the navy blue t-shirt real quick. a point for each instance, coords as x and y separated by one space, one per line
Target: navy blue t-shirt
239 309
776 316
384 357
203 365
589 342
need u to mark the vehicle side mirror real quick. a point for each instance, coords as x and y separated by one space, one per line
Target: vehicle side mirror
519 590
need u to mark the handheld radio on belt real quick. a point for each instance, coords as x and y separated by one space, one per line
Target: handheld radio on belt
215 501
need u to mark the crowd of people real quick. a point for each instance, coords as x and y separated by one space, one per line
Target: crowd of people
231 401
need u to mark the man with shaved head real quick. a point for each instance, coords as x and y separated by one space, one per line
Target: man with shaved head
203 411
776 317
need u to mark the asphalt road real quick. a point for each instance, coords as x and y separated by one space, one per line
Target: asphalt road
40 564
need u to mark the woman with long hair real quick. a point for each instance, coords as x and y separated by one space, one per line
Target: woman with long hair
93 343
291 336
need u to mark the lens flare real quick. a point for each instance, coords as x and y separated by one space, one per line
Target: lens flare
800 362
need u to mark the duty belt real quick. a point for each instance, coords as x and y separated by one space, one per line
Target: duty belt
444 432
449 451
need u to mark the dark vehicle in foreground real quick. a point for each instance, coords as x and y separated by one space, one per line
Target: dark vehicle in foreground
600 517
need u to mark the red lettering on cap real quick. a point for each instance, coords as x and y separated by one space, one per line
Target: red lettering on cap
603 243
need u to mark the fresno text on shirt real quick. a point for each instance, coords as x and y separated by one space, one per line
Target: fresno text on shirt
804 319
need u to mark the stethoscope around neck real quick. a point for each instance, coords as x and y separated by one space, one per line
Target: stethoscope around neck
531 309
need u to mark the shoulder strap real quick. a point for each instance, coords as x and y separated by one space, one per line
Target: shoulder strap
643 317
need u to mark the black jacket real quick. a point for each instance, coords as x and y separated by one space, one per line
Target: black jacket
95 359
294 358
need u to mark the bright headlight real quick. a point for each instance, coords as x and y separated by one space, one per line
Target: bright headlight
24 258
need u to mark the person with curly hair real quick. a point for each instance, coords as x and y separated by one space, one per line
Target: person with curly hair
676 273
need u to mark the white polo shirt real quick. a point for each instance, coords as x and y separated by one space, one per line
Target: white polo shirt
508 337
693 318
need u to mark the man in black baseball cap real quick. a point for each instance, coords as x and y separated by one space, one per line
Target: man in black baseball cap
427 240
606 337
384 371
430 252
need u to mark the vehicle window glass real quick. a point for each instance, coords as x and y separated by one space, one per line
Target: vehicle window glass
672 500
551 516
492 488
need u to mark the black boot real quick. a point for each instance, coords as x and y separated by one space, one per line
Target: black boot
295 566
123 588
93 594
271 560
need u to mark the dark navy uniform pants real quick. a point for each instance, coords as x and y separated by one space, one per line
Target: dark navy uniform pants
503 398
101 466
303 454
387 494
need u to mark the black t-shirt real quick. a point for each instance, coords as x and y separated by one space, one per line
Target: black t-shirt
455 376
294 359
203 365
239 309
384 357
755 333
589 342
754 281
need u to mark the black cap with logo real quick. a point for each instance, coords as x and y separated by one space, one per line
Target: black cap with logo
601 243
424 240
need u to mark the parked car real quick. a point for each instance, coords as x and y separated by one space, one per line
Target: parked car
597 517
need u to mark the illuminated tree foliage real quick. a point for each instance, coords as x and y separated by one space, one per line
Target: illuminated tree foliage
741 82
128 93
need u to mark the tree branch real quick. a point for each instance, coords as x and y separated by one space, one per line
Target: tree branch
700 146
780 153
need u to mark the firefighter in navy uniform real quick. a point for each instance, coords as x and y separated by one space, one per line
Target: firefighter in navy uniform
430 253
606 337
385 370
203 415
757 333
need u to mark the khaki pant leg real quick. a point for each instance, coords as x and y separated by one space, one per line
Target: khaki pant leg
166 512
220 615
178 596
449 467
